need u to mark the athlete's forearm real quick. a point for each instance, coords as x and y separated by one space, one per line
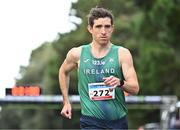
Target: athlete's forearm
131 87
64 85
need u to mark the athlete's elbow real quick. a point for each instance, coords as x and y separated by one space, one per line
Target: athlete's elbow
136 90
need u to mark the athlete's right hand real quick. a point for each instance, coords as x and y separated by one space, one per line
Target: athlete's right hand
66 111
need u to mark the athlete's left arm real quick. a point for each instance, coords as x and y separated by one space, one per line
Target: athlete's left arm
131 84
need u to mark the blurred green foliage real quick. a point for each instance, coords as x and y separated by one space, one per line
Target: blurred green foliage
150 29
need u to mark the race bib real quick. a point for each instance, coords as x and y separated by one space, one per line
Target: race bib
100 91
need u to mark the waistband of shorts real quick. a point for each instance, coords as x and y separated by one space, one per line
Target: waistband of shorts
102 120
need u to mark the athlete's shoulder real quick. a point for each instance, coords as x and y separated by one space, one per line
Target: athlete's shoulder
125 54
121 48
124 49
74 53
75 49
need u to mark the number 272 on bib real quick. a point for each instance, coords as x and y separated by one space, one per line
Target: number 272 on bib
99 91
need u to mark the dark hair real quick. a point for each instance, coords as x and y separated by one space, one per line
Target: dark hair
96 13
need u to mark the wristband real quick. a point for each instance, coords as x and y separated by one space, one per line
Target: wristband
121 83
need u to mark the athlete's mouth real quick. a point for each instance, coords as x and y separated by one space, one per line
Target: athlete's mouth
103 37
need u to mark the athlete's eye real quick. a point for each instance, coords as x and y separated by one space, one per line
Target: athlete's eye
107 26
98 26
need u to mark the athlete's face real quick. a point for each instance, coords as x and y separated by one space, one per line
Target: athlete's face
101 30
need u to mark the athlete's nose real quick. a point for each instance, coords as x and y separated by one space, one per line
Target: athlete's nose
103 30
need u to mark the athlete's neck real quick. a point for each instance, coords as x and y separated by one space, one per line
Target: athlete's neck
100 50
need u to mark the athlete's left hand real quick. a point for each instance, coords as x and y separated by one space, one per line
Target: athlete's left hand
112 81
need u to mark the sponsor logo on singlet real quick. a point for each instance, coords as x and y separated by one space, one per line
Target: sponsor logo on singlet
99 70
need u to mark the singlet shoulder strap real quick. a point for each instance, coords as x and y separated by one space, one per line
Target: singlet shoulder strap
85 49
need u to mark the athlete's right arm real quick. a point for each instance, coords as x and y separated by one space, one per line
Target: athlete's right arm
71 62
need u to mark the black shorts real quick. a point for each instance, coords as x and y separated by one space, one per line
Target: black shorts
87 122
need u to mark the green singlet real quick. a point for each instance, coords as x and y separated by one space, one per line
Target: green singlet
92 70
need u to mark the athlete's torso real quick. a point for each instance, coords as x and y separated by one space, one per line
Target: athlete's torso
92 70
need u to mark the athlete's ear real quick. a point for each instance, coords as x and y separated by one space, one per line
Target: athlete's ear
89 28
